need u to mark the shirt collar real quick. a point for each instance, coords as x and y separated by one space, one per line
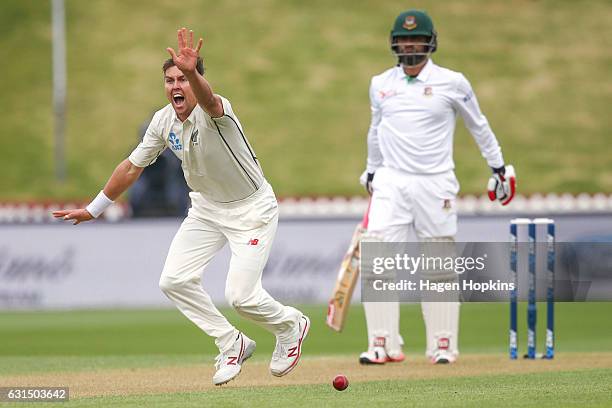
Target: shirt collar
424 74
426 71
190 118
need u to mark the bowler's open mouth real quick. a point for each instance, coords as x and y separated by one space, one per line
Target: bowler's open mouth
178 99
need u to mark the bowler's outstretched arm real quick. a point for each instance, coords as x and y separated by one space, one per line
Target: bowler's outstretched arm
186 61
122 178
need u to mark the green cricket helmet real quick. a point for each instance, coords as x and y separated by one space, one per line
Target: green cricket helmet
413 23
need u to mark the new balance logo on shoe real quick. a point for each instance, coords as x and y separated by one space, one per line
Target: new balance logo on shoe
253 241
228 363
287 355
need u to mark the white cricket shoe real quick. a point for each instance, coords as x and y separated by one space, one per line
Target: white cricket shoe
442 355
399 356
376 353
229 363
287 355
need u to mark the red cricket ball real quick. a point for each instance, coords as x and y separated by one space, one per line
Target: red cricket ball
340 382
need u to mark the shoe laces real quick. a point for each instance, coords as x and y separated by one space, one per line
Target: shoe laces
221 357
280 351
219 360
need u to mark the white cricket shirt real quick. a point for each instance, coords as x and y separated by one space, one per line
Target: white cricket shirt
413 120
217 159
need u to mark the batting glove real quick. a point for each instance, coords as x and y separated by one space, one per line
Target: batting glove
366 181
502 184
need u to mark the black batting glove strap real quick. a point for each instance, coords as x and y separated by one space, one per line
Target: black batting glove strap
499 170
369 182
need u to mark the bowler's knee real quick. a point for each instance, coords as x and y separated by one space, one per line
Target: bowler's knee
169 285
238 299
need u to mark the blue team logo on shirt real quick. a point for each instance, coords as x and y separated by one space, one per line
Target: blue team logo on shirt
468 96
175 143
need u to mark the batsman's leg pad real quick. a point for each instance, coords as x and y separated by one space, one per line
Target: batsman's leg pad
441 326
441 310
382 320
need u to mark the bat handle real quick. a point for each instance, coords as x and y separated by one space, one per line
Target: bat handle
366 216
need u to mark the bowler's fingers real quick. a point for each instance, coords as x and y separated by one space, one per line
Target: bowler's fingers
181 38
72 215
66 214
184 34
60 213
172 53
187 42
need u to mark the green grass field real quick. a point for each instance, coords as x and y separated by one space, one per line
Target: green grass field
157 358
571 389
297 74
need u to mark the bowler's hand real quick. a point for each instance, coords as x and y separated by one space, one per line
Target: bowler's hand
78 215
187 57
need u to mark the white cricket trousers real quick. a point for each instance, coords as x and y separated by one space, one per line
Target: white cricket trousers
249 227
426 203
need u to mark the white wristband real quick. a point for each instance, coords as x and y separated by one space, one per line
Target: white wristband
99 204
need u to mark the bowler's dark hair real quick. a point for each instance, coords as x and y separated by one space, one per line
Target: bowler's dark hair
170 63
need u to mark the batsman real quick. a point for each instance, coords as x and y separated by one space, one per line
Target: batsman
410 175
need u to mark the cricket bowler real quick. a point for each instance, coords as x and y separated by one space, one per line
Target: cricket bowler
410 175
231 202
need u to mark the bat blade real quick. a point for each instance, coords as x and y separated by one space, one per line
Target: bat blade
348 274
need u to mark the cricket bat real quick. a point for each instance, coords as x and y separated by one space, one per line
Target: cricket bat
347 279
